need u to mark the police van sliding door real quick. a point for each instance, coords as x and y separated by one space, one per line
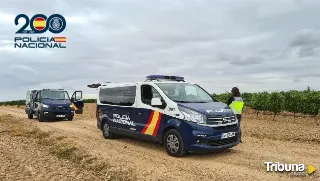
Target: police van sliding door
123 116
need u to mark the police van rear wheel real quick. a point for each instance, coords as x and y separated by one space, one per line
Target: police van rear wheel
106 131
173 143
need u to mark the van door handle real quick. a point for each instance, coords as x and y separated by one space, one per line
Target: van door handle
113 109
141 113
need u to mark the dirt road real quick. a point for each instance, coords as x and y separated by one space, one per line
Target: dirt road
150 162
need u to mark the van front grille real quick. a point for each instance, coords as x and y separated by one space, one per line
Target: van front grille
221 120
59 108
223 141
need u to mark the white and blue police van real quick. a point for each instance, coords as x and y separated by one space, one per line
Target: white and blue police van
182 116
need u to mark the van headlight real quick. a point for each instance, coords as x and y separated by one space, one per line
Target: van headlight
71 105
44 105
193 116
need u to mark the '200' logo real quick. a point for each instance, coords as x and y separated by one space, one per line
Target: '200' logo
39 23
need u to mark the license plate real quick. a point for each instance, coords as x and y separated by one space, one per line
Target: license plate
61 116
228 135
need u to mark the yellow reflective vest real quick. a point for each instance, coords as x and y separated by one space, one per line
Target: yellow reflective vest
237 105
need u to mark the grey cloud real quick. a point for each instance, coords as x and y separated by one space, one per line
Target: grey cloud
296 80
247 61
306 38
217 43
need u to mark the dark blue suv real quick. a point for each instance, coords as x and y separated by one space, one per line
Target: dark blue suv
53 104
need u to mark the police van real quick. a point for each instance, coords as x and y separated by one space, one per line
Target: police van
168 110
53 104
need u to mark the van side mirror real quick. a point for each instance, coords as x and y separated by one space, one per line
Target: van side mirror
156 102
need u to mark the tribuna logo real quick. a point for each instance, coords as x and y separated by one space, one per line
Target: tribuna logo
279 167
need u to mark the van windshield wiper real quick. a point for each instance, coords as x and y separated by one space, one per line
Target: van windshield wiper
47 98
182 101
191 101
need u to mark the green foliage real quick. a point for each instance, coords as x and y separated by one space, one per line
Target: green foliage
293 101
222 97
303 102
275 103
13 103
90 100
247 97
259 101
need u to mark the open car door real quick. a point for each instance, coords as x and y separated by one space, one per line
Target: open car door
27 105
77 102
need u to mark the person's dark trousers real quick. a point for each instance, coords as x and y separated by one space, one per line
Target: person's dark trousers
239 120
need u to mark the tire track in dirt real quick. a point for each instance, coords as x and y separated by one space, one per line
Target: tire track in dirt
244 162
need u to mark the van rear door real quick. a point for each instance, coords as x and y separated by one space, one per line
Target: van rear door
77 102
27 105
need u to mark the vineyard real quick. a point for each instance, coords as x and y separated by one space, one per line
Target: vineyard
305 102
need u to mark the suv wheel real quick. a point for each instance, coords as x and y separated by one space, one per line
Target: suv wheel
107 134
173 143
40 116
70 118
30 115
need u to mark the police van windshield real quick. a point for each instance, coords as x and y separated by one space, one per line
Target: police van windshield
55 95
185 93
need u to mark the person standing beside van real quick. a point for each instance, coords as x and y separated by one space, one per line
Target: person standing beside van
235 102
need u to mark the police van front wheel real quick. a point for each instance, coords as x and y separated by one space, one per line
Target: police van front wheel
106 131
173 143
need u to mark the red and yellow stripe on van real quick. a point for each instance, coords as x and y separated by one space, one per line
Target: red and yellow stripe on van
153 124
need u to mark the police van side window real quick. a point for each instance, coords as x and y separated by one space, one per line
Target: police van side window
129 96
106 96
122 96
148 92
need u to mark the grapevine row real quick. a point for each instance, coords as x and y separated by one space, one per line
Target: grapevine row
303 102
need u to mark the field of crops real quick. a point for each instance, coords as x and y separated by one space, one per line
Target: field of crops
297 102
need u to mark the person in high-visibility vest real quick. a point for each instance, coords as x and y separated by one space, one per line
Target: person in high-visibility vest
235 102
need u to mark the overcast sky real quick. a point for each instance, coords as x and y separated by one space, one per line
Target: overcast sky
256 45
